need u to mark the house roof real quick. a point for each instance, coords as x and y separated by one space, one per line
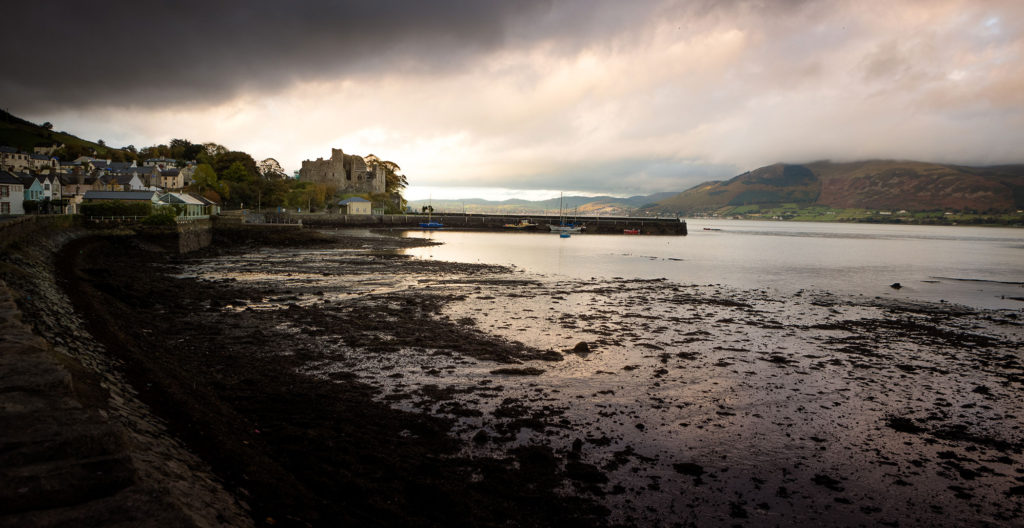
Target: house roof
133 170
41 157
180 198
170 172
10 150
119 195
203 199
8 178
28 180
356 199
111 165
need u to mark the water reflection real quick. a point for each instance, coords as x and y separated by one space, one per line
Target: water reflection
785 257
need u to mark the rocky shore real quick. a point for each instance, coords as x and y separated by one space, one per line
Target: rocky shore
78 446
337 381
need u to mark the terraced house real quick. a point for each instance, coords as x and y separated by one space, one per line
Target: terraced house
13 159
12 194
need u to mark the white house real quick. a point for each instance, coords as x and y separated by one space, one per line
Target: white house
355 206
12 194
171 178
51 185
14 160
160 163
42 162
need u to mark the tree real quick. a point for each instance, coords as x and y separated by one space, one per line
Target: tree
224 161
204 177
213 150
274 191
183 149
394 183
48 125
270 169
237 173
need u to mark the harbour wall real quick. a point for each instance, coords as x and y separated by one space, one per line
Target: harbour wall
594 224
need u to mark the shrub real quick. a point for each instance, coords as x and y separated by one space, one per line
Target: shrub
160 218
110 208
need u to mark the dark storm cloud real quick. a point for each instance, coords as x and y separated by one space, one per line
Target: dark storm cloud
82 54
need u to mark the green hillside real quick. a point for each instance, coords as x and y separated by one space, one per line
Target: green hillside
18 133
868 185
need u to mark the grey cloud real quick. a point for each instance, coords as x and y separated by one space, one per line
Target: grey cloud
86 54
71 54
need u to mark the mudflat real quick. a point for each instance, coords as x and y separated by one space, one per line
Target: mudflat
347 383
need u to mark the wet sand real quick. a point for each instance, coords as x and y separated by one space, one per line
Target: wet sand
349 383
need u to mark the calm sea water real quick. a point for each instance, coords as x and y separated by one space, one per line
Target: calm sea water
974 266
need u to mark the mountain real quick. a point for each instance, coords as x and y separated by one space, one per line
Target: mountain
584 205
24 135
876 184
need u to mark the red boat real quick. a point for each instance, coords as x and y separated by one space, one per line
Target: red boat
630 231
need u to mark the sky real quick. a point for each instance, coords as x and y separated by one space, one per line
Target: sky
498 99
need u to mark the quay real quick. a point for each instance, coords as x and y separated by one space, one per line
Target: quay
604 225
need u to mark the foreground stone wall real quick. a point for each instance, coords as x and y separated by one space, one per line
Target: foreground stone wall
77 446
194 235
16 229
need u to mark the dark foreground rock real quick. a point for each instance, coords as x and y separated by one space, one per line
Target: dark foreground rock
299 451
77 448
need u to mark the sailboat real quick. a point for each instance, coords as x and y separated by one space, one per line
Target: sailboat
563 229
430 224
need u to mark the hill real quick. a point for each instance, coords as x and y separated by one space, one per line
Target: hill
876 184
584 205
24 135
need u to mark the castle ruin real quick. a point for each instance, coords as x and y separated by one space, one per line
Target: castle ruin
348 173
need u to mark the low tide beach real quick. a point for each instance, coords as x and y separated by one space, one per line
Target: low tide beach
352 382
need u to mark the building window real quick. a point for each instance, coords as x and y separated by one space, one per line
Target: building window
5 191
5 208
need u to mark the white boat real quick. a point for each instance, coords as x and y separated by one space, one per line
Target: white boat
564 227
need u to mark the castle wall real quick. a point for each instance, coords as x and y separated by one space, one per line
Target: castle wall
347 173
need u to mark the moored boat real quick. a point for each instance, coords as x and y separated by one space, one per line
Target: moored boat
563 227
523 224
566 228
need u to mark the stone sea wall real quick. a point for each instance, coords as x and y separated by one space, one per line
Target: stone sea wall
596 225
77 446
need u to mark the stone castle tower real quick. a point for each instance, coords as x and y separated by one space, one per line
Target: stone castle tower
348 173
